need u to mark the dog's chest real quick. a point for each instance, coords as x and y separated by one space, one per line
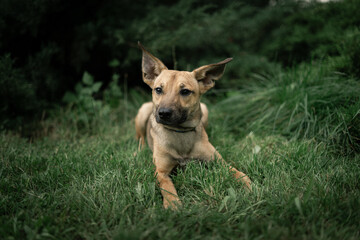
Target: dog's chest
181 143
178 145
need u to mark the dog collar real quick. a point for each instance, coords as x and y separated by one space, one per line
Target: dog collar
177 130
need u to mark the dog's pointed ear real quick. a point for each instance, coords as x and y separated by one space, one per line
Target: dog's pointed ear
151 66
206 75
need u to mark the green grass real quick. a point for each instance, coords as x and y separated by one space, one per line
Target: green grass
304 102
83 182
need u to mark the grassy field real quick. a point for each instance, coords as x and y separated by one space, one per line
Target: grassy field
296 135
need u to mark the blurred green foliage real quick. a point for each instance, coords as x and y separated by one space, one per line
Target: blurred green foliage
15 94
84 109
46 46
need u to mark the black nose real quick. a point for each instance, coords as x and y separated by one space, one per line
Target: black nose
165 113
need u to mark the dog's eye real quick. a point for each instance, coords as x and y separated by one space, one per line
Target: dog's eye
185 92
158 90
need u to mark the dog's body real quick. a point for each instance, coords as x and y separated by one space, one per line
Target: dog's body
174 122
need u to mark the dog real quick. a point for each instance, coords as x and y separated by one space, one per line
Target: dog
174 122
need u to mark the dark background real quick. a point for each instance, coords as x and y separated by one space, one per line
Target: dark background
46 46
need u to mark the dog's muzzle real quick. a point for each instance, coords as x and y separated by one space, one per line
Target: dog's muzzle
169 116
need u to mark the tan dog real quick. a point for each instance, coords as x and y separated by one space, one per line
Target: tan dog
174 122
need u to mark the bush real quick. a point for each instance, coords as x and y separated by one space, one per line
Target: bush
83 109
311 32
348 61
91 111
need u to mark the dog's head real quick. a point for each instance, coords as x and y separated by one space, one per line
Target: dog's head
176 94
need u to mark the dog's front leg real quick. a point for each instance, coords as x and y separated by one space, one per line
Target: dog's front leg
164 165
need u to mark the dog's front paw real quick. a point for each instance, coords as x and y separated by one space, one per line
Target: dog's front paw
240 176
247 183
135 154
173 204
